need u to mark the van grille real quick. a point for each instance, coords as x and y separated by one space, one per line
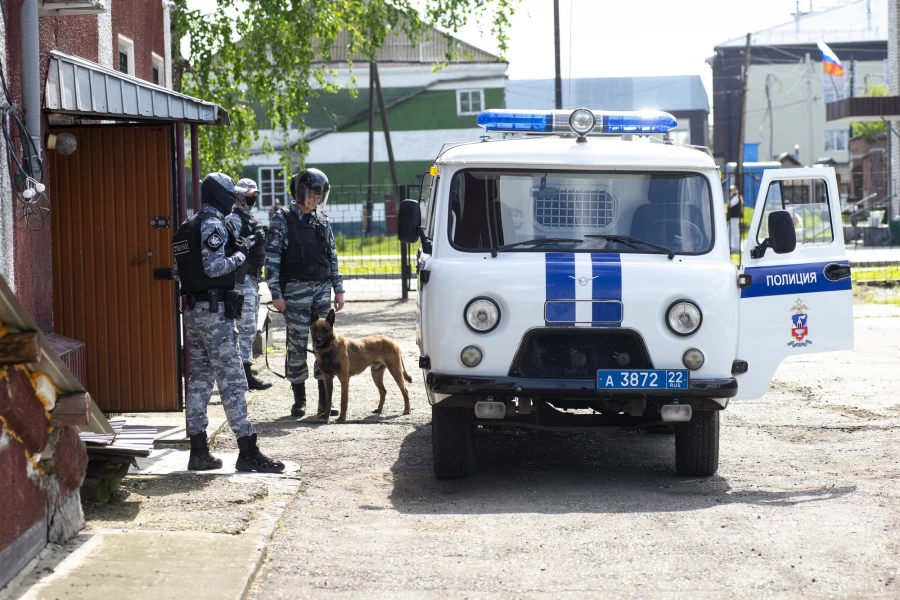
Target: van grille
567 354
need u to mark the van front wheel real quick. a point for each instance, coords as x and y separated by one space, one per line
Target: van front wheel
697 445
452 443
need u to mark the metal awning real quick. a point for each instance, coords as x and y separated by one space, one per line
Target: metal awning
76 86
863 108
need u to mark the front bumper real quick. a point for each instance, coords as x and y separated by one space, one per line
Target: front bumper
585 389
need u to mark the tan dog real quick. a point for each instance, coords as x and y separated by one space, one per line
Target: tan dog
342 358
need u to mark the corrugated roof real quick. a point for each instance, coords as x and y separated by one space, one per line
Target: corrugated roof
670 93
80 87
849 23
432 48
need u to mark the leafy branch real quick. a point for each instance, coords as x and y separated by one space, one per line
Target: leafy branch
278 54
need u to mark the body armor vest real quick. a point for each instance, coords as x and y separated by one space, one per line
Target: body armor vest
250 226
308 253
186 246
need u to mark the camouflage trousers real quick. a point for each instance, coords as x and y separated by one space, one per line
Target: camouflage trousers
214 358
300 298
247 323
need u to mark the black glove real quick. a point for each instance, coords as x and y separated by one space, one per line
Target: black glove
245 243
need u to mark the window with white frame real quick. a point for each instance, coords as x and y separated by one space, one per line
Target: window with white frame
836 140
126 55
272 186
158 74
469 102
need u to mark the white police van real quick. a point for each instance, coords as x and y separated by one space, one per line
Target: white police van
576 275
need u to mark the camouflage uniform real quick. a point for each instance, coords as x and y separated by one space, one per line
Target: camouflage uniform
214 344
299 296
246 325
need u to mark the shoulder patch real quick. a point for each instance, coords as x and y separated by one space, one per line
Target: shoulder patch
214 241
271 235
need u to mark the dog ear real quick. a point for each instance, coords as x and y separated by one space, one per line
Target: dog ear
330 317
314 314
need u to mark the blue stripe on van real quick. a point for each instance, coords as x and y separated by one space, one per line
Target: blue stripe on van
781 280
560 285
607 285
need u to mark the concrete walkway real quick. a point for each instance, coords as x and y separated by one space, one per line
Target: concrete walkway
162 564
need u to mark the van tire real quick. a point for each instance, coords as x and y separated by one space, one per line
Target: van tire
452 442
697 445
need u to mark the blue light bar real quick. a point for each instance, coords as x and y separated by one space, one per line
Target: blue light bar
648 121
557 121
516 120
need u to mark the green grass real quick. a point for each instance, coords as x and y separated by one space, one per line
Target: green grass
373 245
886 275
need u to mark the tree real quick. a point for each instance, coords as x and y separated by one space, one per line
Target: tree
277 53
867 130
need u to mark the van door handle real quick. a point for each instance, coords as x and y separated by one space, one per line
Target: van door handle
835 272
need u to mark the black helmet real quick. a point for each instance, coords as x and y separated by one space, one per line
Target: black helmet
313 180
219 190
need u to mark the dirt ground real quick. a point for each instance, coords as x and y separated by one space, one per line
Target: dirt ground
806 501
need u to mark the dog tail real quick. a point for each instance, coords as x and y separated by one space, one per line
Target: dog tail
405 374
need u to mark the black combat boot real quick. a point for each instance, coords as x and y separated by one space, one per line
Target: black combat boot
251 459
322 402
299 407
252 382
201 459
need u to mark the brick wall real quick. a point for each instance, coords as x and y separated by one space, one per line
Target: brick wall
142 22
41 469
32 249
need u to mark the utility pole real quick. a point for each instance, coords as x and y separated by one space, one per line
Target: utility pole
769 77
370 197
739 171
809 109
556 47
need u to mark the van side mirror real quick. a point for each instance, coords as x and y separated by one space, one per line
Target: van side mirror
409 225
782 235
409 221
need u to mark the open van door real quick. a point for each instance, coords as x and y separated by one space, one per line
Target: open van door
793 301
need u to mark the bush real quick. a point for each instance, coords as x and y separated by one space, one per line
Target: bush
340 241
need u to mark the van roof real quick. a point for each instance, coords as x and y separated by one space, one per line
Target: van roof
564 152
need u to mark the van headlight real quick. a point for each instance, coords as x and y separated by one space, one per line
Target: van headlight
684 317
482 315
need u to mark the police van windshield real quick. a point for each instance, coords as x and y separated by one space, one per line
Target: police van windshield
491 209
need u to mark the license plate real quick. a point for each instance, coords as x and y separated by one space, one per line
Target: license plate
655 379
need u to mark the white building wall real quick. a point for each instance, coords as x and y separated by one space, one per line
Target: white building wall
104 38
789 107
7 202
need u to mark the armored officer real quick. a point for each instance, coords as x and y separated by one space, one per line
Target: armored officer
302 270
246 224
210 262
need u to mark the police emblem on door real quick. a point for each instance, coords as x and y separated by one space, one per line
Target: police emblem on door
799 325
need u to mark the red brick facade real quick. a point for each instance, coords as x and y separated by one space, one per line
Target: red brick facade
870 167
139 20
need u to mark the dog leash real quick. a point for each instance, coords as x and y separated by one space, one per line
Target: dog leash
276 373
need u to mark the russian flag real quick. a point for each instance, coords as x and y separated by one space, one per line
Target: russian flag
830 60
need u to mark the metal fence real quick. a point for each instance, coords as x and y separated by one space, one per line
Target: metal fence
372 259
868 221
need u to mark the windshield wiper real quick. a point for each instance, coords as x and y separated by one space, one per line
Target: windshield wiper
624 239
534 242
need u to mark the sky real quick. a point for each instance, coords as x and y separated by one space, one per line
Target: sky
615 38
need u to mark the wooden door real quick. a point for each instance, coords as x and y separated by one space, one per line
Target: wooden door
112 260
